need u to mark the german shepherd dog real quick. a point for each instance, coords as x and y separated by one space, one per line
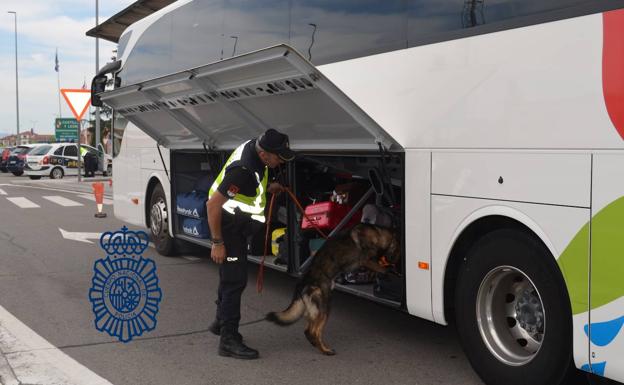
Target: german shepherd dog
362 246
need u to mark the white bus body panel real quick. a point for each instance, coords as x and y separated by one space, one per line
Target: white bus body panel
417 206
532 87
537 177
137 162
607 280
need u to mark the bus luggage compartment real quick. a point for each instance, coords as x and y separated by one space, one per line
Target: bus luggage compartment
314 178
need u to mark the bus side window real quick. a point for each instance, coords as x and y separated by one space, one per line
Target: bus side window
329 31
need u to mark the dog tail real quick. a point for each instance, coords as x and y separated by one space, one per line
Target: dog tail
292 314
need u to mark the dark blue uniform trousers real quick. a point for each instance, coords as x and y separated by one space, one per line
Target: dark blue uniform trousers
233 271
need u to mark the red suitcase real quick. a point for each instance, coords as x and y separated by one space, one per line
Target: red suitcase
327 215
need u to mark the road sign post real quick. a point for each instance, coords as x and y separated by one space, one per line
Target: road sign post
78 101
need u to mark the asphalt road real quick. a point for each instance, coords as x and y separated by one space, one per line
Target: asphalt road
45 280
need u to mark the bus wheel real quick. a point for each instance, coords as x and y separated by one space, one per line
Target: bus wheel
159 222
513 311
56 173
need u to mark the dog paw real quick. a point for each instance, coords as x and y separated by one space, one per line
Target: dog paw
329 352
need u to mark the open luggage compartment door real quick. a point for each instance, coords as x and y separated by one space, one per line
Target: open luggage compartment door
227 102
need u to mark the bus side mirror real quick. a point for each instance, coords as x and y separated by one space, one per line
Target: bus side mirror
98 85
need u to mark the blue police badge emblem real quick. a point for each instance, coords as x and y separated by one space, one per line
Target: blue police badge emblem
125 294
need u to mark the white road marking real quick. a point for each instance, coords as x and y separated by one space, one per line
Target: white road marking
80 237
51 189
33 360
2 192
23 203
59 200
106 201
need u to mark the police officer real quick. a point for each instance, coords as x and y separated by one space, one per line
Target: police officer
87 162
235 204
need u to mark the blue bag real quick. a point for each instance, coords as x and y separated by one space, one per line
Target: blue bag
192 204
197 228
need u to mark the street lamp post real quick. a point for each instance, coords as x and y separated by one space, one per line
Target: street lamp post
97 69
16 80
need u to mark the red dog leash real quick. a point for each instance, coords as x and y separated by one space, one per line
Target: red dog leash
260 279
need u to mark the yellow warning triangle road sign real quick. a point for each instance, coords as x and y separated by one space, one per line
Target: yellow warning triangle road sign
78 101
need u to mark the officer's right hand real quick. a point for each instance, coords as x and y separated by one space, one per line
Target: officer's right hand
217 253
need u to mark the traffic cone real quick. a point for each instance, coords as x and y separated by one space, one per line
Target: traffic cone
98 190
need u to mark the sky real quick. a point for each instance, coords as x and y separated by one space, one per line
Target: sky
42 27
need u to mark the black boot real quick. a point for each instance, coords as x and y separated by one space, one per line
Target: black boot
231 346
215 328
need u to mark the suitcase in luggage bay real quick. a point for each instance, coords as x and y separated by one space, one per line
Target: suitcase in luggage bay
192 204
197 228
327 215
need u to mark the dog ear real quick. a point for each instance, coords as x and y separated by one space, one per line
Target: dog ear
367 238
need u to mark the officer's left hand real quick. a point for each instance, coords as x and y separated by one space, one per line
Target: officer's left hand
275 188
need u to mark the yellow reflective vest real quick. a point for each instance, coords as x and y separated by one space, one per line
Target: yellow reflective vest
250 205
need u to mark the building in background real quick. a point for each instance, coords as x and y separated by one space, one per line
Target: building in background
27 137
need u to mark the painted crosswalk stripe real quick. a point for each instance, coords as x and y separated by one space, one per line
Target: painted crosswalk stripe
2 192
59 200
23 202
30 359
92 198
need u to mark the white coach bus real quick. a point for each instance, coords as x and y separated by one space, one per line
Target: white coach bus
494 130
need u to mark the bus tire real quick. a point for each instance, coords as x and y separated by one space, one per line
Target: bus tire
513 311
159 222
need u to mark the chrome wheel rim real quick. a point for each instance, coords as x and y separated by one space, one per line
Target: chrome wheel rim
158 217
510 315
56 173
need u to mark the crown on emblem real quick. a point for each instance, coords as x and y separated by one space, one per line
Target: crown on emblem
124 241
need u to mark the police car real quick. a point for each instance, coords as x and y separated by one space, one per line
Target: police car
39 159
60 159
